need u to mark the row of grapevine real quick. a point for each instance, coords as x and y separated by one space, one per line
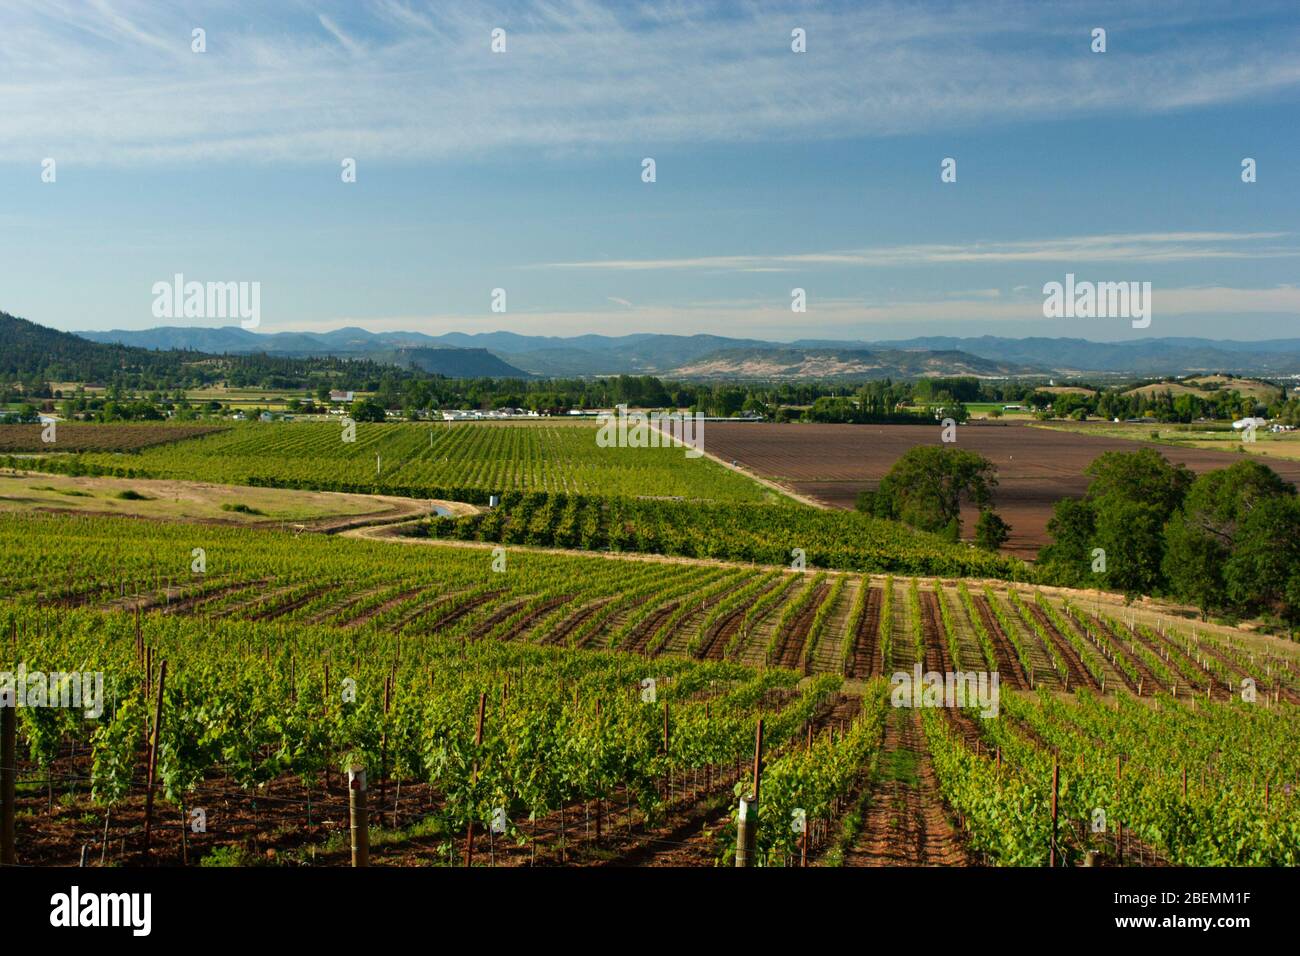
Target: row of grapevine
462 461
762 533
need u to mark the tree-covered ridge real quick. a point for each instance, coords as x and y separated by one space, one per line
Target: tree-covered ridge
35 356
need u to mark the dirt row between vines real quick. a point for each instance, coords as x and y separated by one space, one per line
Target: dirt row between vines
905 823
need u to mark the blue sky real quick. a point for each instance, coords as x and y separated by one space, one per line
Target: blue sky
522 170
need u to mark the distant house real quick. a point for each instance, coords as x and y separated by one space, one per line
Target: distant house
337 396
476 414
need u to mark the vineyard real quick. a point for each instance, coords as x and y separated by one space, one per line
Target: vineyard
557 489
462 461
764 534
73 437
517 707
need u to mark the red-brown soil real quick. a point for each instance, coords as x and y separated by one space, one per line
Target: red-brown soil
905 823
1079 674
1036 466
73 437
1009 665
866 659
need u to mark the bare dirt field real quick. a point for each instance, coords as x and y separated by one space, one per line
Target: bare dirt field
1036 466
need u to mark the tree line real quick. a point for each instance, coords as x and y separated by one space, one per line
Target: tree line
1226 542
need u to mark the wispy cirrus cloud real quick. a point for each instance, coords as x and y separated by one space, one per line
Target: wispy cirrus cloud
345 41
843 316
115 82
1130 247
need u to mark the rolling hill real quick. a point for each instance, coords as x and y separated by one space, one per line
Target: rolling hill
1143 357
824 364
33 352
687 355
389 348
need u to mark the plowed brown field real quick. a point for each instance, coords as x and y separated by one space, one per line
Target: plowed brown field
1036 466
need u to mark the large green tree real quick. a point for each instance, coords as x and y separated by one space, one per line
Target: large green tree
1204 533
1263 573
1114 537
925 488
1130 536
1068 559
1143 476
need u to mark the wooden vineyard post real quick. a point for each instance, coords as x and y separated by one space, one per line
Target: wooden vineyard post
8 773
1056 778
747 819
383 756
325 712
478 742
358 817
153 759
600 799
666 741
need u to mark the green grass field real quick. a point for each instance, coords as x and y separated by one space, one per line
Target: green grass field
1216 437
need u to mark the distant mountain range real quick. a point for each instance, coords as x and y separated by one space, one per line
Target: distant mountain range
508 354
1162 356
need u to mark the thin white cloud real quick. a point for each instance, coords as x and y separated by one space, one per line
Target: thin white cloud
842 317
116 83
975 294
349 44
125 28
1134 247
